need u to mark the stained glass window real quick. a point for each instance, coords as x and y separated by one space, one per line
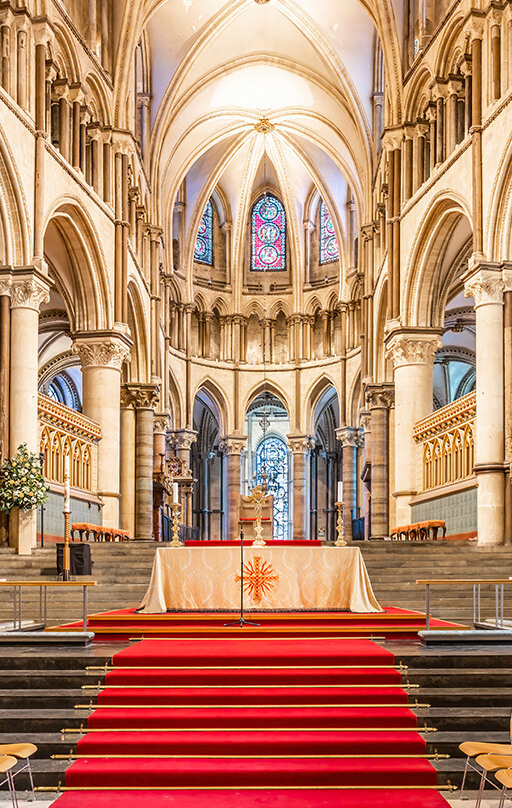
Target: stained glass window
203 250
268 235
328 242
272 467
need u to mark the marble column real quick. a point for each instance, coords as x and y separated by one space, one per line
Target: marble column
379 399
144 398
412 353
485 285
102 358
127 454
350 439
28 290
232 446
301 446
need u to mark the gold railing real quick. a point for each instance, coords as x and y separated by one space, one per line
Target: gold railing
446 443
67 433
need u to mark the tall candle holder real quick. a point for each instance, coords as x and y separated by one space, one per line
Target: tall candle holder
340 532
176 513
258 494
66 551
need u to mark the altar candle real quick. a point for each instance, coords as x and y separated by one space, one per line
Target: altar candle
175 492
67 486
340 491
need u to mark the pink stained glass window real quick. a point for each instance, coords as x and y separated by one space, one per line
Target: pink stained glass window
329 250
268 235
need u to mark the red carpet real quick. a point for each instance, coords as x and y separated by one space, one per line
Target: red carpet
123 623
184 723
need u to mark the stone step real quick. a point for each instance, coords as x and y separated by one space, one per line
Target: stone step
465 719
457 677
46 720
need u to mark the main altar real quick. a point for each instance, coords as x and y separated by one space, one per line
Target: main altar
280 576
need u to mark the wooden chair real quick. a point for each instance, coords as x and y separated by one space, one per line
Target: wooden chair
21 751
7 763
504 776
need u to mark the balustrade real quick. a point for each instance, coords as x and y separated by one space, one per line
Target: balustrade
446 443
67 433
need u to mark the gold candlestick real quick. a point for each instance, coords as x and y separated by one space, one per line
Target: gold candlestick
176 512
340 541
258 494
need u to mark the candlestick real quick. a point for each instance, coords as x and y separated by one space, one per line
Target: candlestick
67 485
340 541
175 494
340 491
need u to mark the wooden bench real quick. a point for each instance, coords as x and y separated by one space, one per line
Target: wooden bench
419 531
98 532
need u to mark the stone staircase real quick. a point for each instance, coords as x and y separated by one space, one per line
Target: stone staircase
469 692
123 571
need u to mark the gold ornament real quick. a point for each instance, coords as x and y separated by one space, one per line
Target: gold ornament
259 578
264 127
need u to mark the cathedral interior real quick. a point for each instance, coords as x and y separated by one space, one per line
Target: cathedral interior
217 216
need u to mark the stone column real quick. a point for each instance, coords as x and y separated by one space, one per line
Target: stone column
28 290
144 398
413 355
350 439
301 446
496 56
102 358
232 446
366 474
127 452
486 286
379 399
419 156
183 440
21 68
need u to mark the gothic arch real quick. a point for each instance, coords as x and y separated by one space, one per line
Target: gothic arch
137 320
267 386
314 396
15 247
176 406
215 399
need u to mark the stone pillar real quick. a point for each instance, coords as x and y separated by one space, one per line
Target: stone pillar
413 355
232 446
301 446
127 450
366 475
496 58
439 129
408 165
75 134
183 440
485 284
419 156
379 399
144 398
21 68
102 358
350 440
28 290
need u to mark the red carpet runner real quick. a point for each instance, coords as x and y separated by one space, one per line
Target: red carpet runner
266 722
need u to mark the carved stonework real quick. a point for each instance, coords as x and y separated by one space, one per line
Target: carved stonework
28 294
184 438
349 437
407 350
301 444
232 445
484 289
110 353
380 396
365 419
144 396
161 424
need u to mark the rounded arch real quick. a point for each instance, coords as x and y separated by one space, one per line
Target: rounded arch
77 264
452 36
63 48
98 95
444 232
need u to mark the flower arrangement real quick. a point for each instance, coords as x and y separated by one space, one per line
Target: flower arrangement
22 483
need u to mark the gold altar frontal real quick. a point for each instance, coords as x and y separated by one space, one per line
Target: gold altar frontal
275 578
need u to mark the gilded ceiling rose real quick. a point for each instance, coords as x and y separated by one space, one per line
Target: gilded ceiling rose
264 126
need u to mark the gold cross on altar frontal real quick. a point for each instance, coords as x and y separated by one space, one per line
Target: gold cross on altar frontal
259 578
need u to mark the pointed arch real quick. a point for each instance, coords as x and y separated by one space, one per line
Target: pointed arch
315 397
213 396
267 386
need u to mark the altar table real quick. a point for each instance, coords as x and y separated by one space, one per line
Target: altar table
287 578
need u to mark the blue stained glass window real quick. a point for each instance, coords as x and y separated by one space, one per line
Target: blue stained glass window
268 235
203 250
329 250
272 468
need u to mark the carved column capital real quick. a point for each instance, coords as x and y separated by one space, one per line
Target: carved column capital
349 437
102 350
27 291
380 396
301 444
365 419
413 349
233 444
184 438
486 286
161 424
144 396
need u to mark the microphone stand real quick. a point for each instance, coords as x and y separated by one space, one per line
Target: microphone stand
242 621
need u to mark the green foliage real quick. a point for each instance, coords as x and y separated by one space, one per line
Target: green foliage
22 483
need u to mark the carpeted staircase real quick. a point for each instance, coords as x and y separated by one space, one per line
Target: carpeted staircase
281 722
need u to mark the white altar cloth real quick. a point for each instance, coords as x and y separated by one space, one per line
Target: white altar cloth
288 578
